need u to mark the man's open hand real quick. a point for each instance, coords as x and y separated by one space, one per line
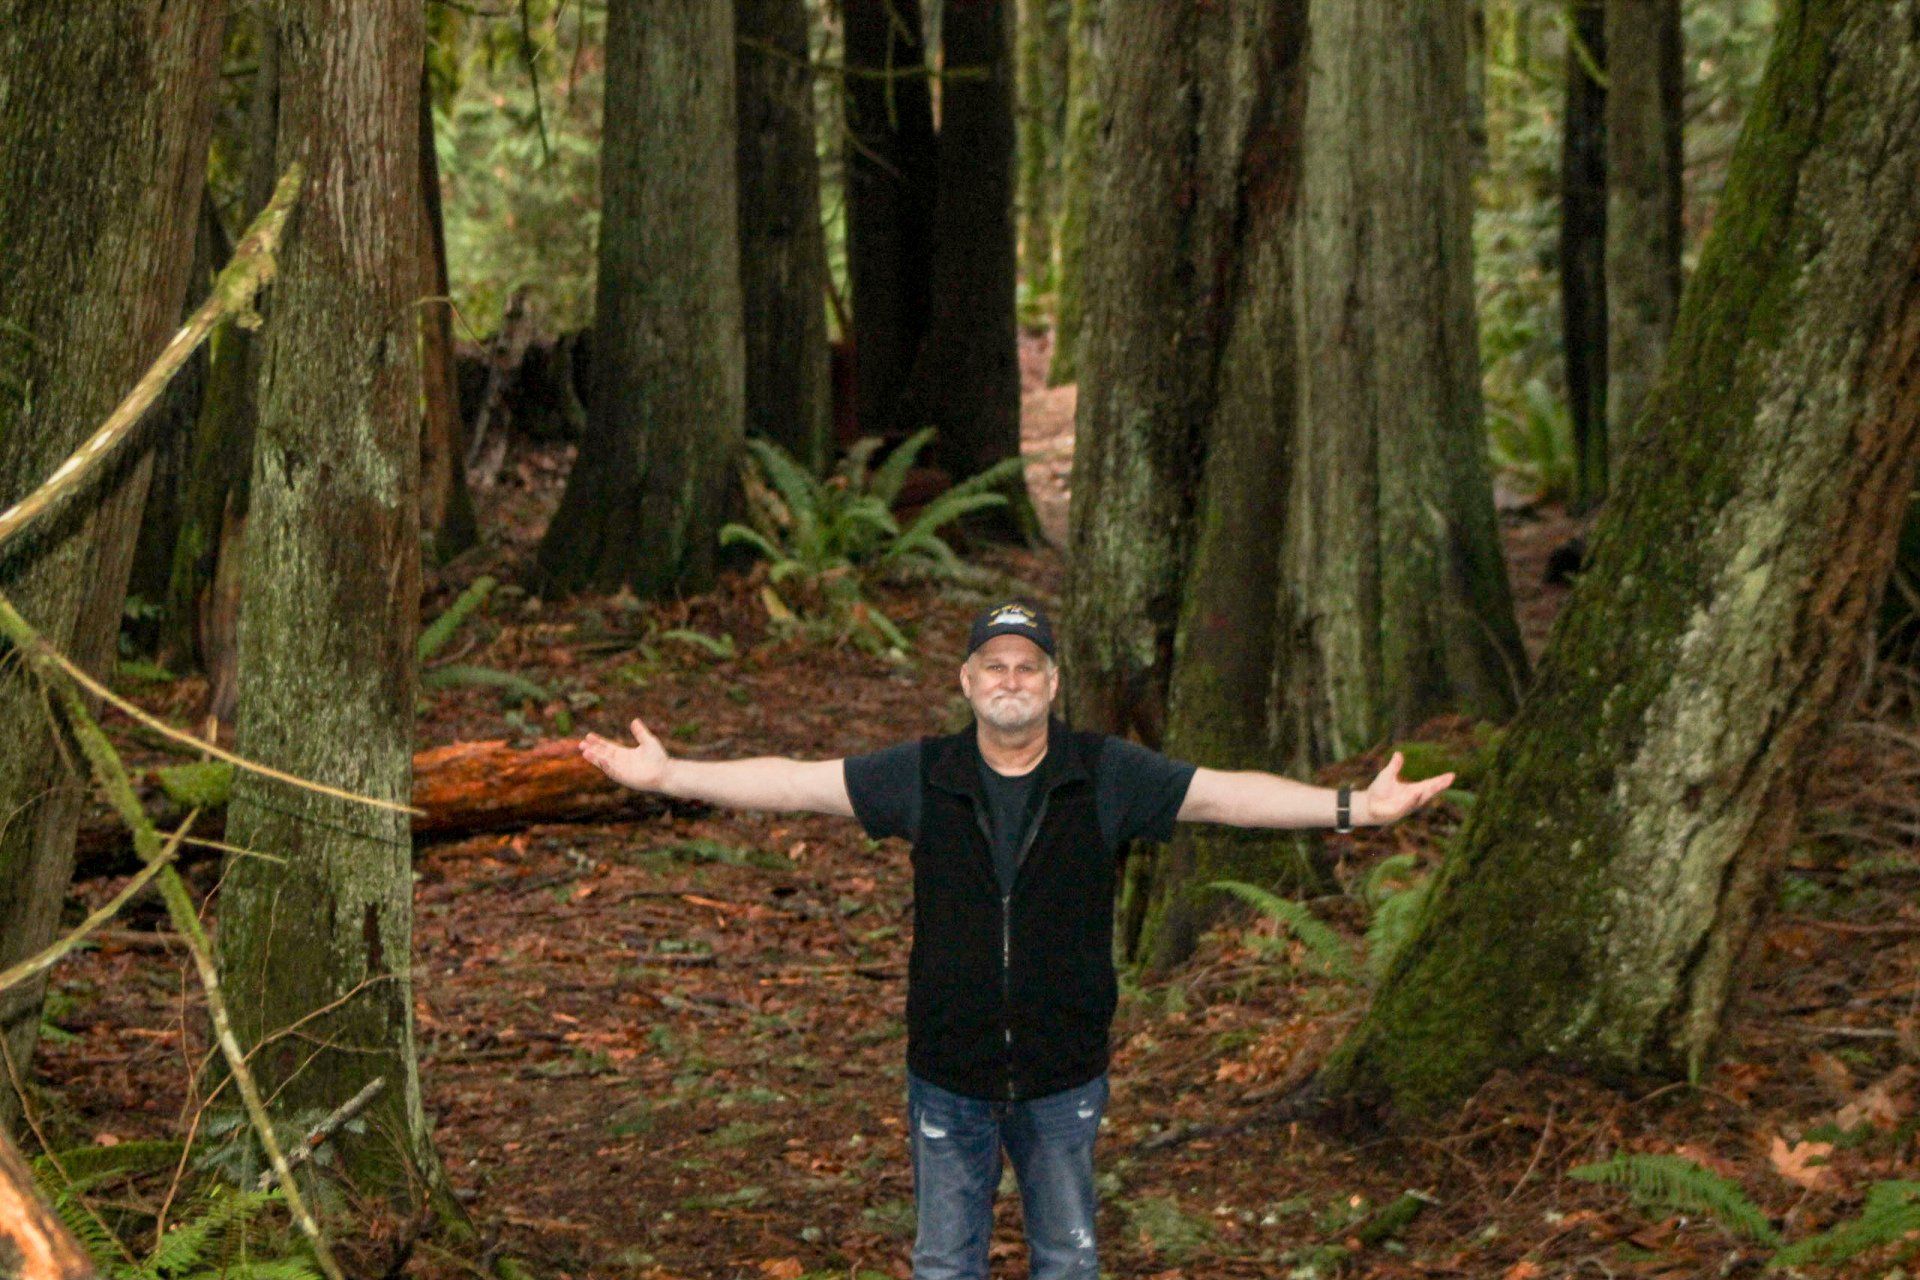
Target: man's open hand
1390 799
642 766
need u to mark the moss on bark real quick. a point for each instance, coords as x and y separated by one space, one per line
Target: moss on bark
1597 901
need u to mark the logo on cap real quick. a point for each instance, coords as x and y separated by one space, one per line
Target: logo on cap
1015 615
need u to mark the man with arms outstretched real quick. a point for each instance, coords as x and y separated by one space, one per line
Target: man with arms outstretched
1015 822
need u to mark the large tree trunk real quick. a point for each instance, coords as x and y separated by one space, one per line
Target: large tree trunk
1645 196
447 522
890 176
1079 164
1042 40
1597 904
965 379
105 112
783 256
197 628
1583 248
323 935
1396 605
1219 704
648 493
1161 255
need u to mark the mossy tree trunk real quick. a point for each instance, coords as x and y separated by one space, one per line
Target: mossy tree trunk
965 379
891 180
105 112
1598 902
447 521
644 504
1220 698
1645 198
1078 165
783 255
1583 247
1042 41
322 937
1395 603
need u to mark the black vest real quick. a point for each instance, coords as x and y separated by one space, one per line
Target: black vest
1010 997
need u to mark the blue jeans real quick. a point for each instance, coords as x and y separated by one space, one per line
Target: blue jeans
956 1171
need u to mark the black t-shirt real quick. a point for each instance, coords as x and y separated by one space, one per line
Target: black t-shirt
1137 793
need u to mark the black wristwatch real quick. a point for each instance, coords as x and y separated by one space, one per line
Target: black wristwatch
1343 810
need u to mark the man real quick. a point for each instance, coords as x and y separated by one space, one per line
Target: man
1010 984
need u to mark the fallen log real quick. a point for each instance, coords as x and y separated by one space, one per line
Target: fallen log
33 1243
463 788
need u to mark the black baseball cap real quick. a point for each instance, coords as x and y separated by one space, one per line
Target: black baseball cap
1014 618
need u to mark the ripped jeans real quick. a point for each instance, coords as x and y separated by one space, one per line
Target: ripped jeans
956 1171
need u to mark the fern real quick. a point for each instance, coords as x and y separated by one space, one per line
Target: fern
435 635
1675 1182
1318 939
1892 1212
1392 925
506 681
1376 888
891 474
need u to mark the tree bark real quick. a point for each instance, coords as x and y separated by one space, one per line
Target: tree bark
648 492
447 522
965 379
198 625
1078 164
1396 605
783 256
1598 902
1159 256
891 177
1042 40
1219 701
1645 195
1583 247
331 605
105 113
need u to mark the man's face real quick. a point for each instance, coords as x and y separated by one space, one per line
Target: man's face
1010 681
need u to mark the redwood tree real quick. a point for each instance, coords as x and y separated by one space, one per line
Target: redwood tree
320 935
648 492
891 180
783 262
1600 898
1645 196
965 377
1583 246
1219 700
105 112
1395 604
1079 151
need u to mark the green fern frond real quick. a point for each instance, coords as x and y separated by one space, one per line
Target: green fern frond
1891 1214
269 1269
805 497
1675 1182
1377 886
942 511
731 533
853 467
1318 939
91 1162
891 474
486 677
1392 926
434 636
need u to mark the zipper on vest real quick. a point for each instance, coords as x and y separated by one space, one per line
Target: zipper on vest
1006 980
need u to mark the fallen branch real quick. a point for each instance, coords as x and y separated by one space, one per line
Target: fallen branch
340 1115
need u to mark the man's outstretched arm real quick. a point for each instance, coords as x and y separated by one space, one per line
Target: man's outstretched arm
1250 798
763 782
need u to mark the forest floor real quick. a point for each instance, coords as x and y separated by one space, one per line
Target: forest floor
674 1047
